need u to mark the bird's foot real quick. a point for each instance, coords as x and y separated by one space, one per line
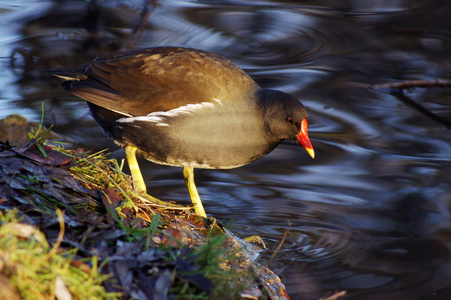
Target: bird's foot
162 204
213 223
255 239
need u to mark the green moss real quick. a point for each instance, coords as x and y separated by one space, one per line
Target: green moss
34 268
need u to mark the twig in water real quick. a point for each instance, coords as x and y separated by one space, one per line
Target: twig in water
149 6
396 89
335 296
426 112
284 238
407 84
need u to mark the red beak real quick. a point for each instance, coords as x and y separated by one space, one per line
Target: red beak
304 140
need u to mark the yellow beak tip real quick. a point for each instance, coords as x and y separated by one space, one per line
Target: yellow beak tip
311 152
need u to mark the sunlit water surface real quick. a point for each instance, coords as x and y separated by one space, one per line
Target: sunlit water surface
370 214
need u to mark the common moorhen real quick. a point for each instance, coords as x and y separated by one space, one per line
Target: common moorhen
185 107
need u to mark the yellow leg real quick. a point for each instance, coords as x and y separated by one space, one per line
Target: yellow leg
188 173
140 186
138 181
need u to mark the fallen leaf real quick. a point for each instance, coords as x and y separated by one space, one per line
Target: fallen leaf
25 231
61 290
31 151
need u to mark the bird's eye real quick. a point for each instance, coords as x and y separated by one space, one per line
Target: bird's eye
289 120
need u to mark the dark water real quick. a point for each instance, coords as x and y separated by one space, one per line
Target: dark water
371 213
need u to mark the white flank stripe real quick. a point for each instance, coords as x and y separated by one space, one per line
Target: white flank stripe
218 101
160 117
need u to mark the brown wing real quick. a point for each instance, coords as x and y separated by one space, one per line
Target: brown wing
157 79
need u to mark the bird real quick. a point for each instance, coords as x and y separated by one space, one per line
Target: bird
187 108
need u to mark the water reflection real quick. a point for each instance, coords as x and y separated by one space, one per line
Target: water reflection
371 214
